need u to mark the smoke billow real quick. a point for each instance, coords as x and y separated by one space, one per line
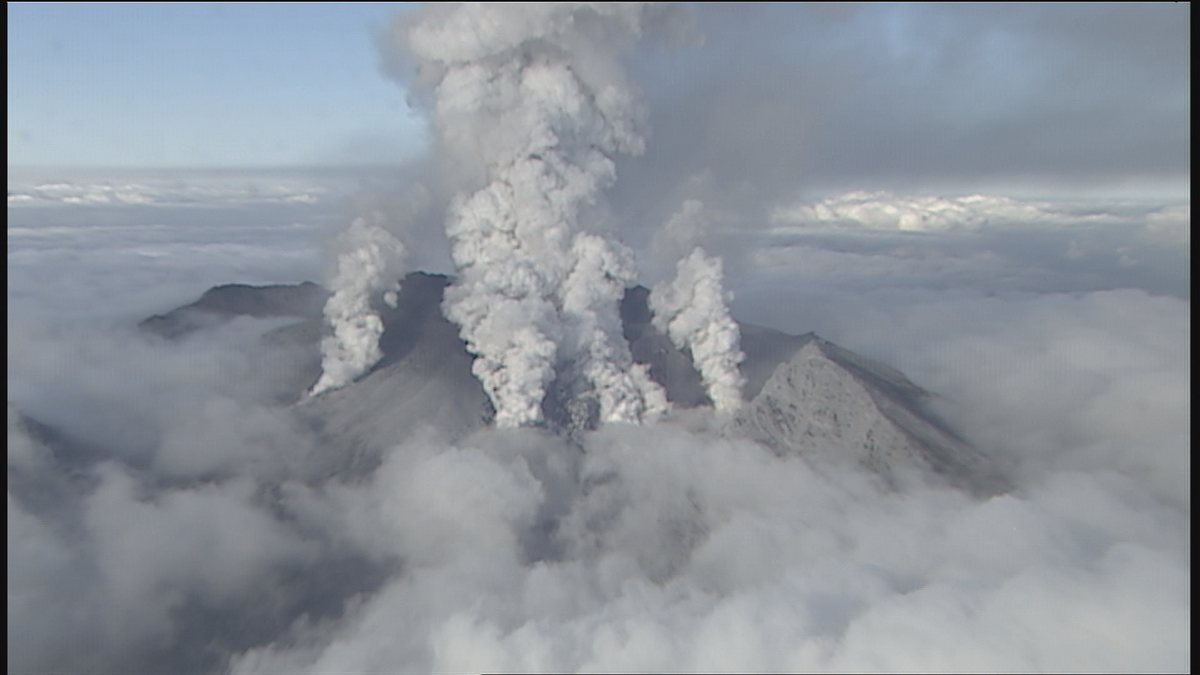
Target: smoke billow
692 309
532 104
370 262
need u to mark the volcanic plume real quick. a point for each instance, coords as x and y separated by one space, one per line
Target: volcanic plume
691 309
530 105
370 262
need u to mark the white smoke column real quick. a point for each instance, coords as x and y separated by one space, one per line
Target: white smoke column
371 262
530 102
591 296
692 309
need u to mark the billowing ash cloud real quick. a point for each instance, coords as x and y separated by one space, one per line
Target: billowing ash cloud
531 103
692 309
370 262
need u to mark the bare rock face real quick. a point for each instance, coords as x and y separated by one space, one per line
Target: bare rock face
831 405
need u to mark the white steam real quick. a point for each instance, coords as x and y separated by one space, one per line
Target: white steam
692 309
369 263
531 103
591 294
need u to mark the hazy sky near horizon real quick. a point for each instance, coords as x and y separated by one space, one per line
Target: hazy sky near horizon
872 96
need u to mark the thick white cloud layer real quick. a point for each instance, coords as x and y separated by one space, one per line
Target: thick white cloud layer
684 552
164 250
886 211
674 549
179 187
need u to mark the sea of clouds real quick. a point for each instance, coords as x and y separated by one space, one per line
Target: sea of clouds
675 548
170 519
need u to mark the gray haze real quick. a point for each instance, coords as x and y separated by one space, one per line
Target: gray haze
1049 98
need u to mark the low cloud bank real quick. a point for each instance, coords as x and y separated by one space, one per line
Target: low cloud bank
887 211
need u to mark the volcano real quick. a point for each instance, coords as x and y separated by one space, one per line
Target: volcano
805 396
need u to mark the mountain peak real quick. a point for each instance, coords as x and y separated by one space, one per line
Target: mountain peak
832 405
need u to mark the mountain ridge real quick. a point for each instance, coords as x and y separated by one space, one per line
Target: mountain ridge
804 396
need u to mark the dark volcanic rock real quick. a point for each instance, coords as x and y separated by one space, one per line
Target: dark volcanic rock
223 303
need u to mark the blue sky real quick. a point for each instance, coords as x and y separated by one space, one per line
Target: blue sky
1088 98
202 85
